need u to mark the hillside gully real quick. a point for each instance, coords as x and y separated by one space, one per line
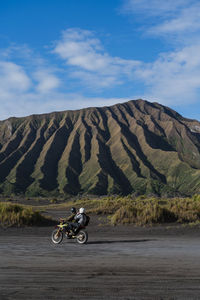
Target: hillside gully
133 147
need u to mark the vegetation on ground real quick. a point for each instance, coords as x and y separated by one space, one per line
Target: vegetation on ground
143 210
19 215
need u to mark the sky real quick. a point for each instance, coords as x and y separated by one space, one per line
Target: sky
60 55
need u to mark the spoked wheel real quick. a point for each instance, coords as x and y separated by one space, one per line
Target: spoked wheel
57 236
82 237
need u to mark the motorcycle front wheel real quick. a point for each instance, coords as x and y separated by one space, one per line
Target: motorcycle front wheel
82 237
56 236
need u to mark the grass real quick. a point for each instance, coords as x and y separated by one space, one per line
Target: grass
145 211
140 210
158 211
19 215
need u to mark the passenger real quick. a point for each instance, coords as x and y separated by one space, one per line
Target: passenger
80 220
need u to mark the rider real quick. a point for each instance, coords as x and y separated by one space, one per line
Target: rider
71 217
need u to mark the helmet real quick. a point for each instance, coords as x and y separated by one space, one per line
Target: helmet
73 210
81 210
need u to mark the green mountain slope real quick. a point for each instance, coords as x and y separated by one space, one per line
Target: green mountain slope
137 146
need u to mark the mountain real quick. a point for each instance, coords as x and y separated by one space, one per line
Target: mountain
134 147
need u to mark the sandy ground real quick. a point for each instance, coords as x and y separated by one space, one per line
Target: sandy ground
117 263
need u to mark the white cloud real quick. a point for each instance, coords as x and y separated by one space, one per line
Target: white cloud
186 21
154 7
176 18
174 76
32 103
27 81
89 62
80 49
33 85
46 81
13 78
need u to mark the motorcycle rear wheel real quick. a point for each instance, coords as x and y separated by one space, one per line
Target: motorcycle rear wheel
56 236
82 237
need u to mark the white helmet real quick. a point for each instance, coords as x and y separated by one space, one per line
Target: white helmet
81 210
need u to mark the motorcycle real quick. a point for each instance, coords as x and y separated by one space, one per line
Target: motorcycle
62 230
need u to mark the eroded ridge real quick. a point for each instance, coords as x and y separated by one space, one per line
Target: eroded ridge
136 146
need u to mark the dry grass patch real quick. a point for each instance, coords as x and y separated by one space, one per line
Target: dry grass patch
19 215
144 211
153 211
138 210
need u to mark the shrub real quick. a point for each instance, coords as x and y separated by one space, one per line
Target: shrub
142 215
142 211
18 215
124 215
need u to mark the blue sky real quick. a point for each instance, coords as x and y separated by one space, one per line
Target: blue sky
67 54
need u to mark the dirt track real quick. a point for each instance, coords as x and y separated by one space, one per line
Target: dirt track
117 263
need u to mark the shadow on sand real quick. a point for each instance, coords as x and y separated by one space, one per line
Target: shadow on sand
119 241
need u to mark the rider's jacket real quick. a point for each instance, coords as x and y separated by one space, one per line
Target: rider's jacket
70 218
80 219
